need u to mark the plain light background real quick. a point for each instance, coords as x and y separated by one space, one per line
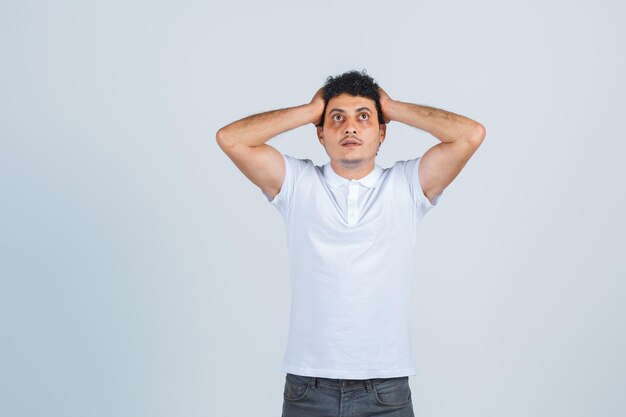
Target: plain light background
143 275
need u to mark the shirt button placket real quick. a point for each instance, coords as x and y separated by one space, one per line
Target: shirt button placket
353 193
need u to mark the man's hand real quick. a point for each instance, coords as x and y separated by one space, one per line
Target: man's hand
385 100
317 103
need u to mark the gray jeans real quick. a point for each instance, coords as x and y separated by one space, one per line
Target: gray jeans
306 396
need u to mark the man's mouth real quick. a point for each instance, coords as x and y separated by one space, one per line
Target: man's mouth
350 143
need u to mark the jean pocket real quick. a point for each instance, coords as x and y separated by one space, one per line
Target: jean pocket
296 387
394 392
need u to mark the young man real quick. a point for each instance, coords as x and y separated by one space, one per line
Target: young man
351 239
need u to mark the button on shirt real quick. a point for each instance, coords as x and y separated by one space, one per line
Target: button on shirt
352 257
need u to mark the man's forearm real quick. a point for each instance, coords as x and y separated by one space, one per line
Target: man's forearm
257 129
445 126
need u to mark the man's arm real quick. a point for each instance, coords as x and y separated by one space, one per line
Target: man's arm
243 141
460 137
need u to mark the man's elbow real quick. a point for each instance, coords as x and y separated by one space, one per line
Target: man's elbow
220 138
479 135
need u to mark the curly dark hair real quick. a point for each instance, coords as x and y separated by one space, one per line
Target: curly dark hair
354 83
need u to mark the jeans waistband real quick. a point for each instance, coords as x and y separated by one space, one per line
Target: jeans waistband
346 384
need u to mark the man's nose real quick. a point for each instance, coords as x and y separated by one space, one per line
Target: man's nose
350 129
350 126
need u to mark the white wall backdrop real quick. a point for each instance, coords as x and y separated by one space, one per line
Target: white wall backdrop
143 275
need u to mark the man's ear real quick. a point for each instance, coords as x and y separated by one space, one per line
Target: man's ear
383 132
320 134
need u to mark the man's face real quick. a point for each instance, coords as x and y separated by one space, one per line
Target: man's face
351 119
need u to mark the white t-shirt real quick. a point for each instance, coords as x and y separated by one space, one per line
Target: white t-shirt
352 257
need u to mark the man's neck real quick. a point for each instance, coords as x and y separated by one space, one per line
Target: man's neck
355 173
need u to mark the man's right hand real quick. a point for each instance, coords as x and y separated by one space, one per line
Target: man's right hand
317 103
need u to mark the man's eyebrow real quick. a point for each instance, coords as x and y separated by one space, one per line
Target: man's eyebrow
358 110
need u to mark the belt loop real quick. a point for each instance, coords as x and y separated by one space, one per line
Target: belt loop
314 382
368 385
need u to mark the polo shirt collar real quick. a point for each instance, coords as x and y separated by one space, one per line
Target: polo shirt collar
337 180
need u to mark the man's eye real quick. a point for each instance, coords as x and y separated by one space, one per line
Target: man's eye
365 114
335 116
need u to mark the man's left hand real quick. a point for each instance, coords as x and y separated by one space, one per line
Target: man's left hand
385 100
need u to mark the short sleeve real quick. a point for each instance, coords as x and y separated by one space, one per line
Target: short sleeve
412 174
293 169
